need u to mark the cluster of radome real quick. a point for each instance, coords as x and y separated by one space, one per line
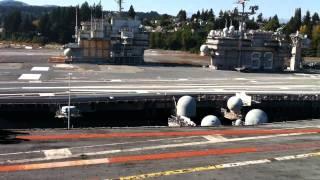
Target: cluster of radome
187 107
253 117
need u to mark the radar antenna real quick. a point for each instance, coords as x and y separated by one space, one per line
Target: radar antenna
244 15
120 3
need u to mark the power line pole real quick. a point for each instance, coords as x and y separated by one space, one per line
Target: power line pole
69 100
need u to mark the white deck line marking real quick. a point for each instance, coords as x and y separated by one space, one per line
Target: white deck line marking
116 80
102 145
57 153
165 87
240 79
244 163
46 94
35 82
40 69
142 92
215 138
220 166
30 77
155 147
67 66
284 88
18 153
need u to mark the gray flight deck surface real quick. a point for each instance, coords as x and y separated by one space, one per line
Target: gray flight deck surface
276 151
25 74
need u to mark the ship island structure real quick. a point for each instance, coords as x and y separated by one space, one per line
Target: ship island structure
253 50
120 40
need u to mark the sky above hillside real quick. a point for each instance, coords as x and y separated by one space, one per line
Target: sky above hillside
284 8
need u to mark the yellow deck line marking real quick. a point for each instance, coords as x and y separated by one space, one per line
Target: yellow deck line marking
220 166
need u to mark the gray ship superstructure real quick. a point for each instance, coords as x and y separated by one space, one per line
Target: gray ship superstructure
254 50
121 40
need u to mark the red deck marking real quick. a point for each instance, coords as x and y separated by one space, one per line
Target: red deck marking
28 167
166 134
174 155
186 154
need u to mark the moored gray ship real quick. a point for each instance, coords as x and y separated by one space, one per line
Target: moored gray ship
254 50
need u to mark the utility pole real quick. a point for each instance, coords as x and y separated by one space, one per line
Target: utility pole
120 5
242 16
69 100
76 28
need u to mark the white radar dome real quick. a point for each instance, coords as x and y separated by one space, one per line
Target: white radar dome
235 104
256 117
187 106
210 120
67 52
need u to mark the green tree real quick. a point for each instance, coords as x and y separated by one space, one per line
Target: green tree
182 16
44 24
85 12
13 21
132 12
26 24
211 16
307 19
315 18
273 24
316 37
307 24
165 20
198 14
295 23
260 18
97 10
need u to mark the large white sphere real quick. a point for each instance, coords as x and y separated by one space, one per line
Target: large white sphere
210 120
238 122
235 104
67 52
256 117
187 106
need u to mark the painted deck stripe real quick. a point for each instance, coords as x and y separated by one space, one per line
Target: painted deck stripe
40 69
51 165
163 156
101 145
211 140
57 153
167 134
216 138
220 166
30 77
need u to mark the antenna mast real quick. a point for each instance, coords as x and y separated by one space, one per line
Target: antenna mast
120 2
242 16
76 28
